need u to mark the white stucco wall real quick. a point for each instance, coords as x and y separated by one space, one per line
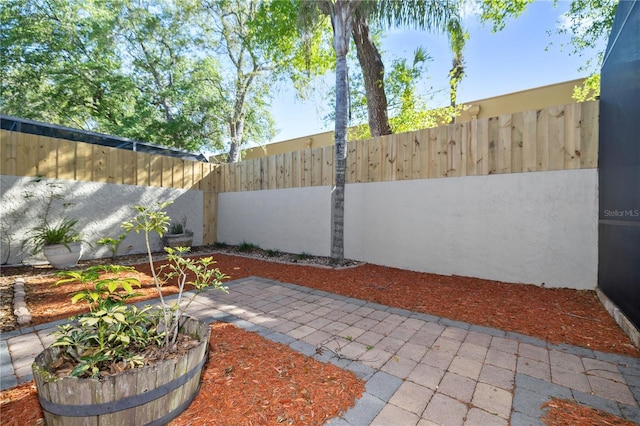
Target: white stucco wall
291 220
523 227
99 207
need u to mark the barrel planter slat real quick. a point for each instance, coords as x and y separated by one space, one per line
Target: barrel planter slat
151 395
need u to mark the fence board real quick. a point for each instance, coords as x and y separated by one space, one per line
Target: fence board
155 171
517 124
316 166
589 135
272 169
328 158
66 160
572 137
542 141
8 152
556 137
529 137
296 170
503 160
389 152
471 140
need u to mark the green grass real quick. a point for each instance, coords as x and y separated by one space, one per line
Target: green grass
273 253
303 256
245 247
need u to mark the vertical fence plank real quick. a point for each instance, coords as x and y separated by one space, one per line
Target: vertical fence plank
352 157
305 159
461 149
529 141
100 160
434 153
494 145
328 160
279 171
374 172
178 173
264 171
571 137
128 167
45 157
8 152
362 161
143 169
113 165
30 152
542 141
443 150
517 123
405 156
483 146
272 170
188 173
296 170
155 170
316 166
471 141
503 160
84 164
422 159
453 150
67 159
589 135
556 131
389 158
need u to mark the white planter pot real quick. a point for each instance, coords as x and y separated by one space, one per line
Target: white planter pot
61 256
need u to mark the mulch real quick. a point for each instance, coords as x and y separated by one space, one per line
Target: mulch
247 380
556 315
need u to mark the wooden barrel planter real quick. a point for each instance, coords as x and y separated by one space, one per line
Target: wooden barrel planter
151 395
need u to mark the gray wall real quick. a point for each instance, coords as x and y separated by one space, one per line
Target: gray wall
291 220
99 207
524 227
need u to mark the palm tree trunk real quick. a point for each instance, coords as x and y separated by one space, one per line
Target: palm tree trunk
373 73
337 196
341 20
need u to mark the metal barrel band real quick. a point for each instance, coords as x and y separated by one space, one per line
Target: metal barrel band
71 410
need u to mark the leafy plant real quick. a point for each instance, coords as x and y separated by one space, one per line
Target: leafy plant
114 335
177 228
112 243
156 220
63 232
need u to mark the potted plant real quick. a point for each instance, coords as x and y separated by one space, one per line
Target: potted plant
60 242
178 235
119 364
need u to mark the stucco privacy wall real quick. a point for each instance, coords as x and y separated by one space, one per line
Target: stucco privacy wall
293 220
524 227
99 207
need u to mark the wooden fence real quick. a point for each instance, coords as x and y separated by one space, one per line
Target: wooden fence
556 138
23 154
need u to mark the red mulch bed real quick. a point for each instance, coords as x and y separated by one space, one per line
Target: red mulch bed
563 412
556 315
247 380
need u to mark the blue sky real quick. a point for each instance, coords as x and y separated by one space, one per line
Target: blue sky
517 58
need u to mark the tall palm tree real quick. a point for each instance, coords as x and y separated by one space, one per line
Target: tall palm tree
342 14
433 15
